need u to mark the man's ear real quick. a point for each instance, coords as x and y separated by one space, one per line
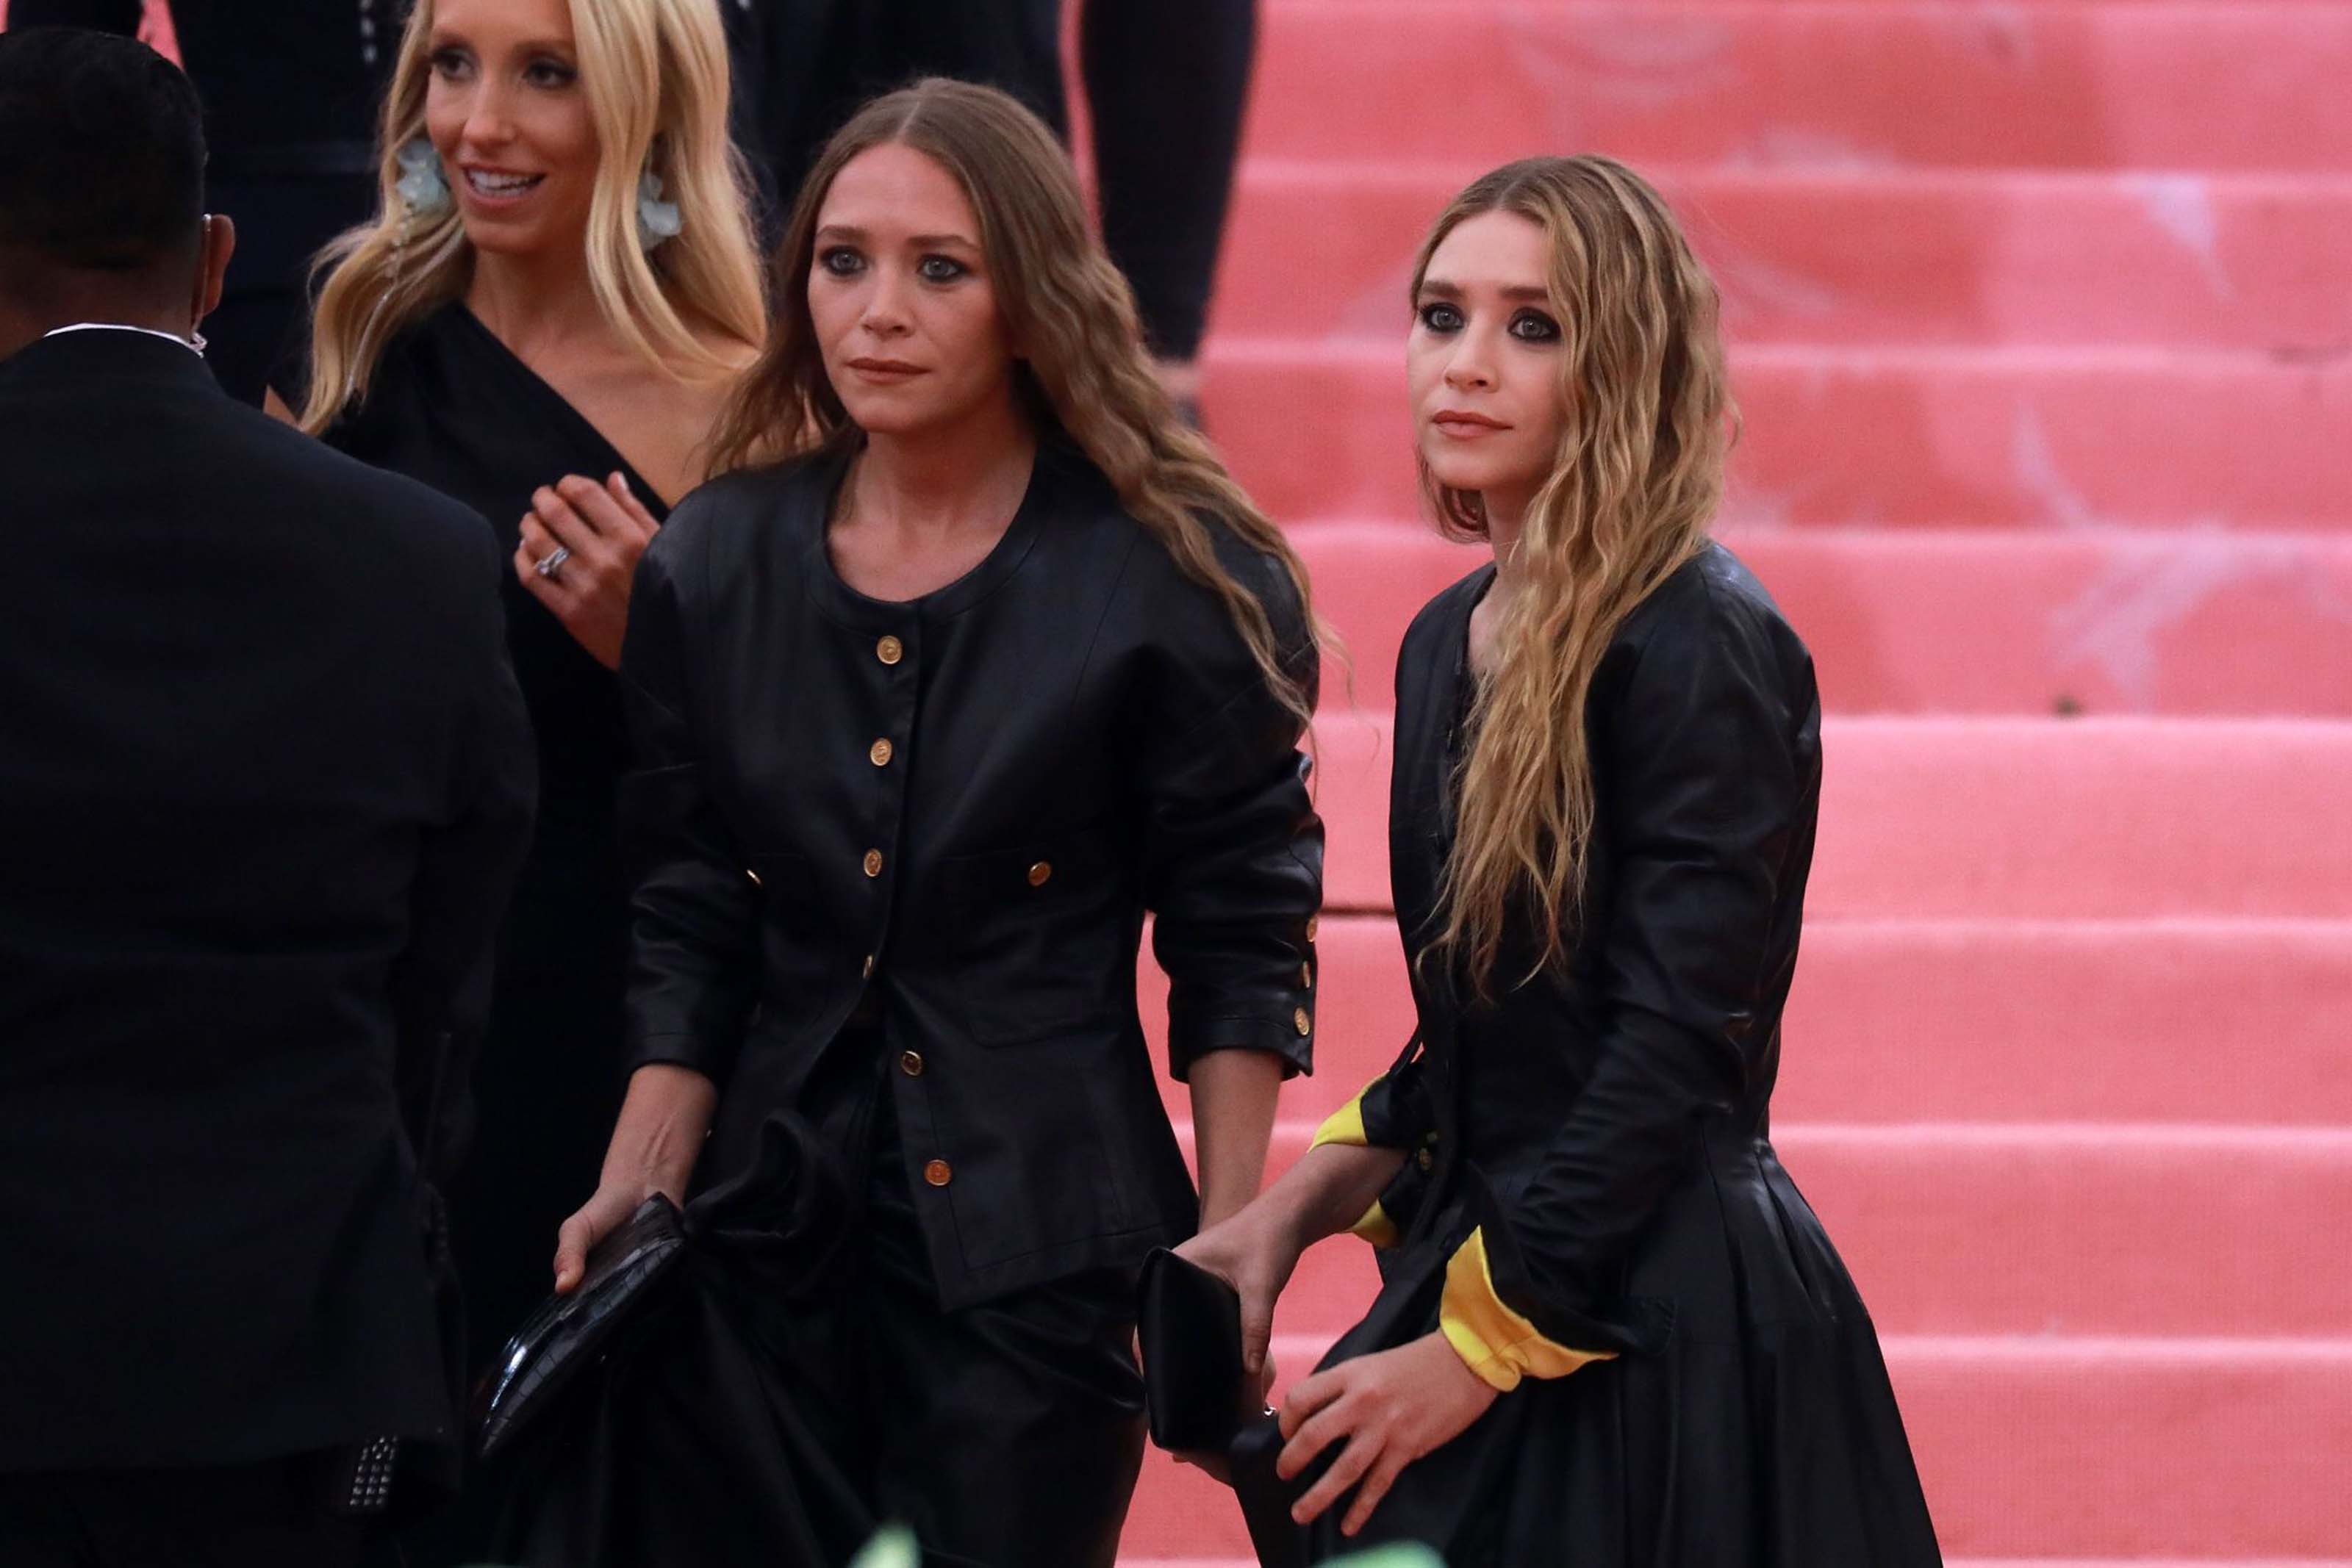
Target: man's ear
211 266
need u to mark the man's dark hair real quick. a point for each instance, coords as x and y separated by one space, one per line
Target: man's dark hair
101 152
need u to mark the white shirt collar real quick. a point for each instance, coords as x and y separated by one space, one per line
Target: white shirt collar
121 327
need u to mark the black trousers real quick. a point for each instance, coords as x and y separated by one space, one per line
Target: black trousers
265 1515
1166 82
1007 1435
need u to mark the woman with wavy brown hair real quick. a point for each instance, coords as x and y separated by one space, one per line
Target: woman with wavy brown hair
975 659
1610 1332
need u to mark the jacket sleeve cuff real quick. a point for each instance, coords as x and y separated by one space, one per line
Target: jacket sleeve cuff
681 1051
1376 1227
1290 1037
1344 1127
1495 1342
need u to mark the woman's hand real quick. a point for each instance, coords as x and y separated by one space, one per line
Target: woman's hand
606 1211
655 1142
602 528
1255 1253
1392 1407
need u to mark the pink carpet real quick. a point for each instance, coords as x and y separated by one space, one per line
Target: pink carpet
2043 339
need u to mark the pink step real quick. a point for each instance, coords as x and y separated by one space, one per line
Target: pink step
2228 1021
2211 86
1968 818
1860 257
2097 621
2035 1447
1957 1228
1868 436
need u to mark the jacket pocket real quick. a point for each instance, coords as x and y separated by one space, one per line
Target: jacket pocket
1042 933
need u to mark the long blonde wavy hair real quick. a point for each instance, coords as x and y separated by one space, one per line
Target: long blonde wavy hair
1085 372
655 72
1636 482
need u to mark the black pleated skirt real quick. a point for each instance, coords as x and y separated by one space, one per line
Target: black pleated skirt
1763 1434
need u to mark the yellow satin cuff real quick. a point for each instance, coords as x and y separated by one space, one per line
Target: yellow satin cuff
1492 1340
1376 1227
1345 1126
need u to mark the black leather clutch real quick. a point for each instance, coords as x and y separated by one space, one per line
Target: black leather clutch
571 1332
1189 1328
1199 1399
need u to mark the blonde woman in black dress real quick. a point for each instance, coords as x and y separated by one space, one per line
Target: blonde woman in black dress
543 320
1611 1332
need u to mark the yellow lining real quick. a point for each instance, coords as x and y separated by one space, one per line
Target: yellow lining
1492 1340
1345 1126
1376 1227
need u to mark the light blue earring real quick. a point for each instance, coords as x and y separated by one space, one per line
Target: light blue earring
657 220
421 184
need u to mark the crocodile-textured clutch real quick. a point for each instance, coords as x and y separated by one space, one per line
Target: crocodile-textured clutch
571 1332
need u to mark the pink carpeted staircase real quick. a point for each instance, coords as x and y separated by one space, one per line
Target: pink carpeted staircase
2042 321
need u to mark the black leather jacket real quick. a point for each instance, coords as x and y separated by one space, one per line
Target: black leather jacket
957 811
1606 1126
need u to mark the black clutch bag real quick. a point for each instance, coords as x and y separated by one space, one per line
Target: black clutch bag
572 1331
1198 1398
1189 1328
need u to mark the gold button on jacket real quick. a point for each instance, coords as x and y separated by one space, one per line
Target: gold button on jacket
939 1172
872 862
1041 873
889 650
910 1063
1299 1021
879 753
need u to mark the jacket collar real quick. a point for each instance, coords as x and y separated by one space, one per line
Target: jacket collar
102 358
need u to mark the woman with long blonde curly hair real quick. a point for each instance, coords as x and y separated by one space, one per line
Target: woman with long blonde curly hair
974 658
1611 1332
543 320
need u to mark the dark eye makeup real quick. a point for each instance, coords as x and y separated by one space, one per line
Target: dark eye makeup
1444 315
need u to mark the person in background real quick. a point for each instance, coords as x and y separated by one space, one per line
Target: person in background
265 784
1610 1331
543 320
1166 82
974 657
289 89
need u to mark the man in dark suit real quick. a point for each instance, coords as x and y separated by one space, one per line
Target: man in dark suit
290 89
265 779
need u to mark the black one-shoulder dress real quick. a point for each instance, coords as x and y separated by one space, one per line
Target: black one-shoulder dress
1592 1212
451 406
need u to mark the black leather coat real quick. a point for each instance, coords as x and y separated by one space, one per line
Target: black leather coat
958 810
1602 1131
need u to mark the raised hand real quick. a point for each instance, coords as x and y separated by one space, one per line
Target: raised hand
580 546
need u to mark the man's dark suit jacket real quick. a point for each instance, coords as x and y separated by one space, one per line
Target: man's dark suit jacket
265 777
